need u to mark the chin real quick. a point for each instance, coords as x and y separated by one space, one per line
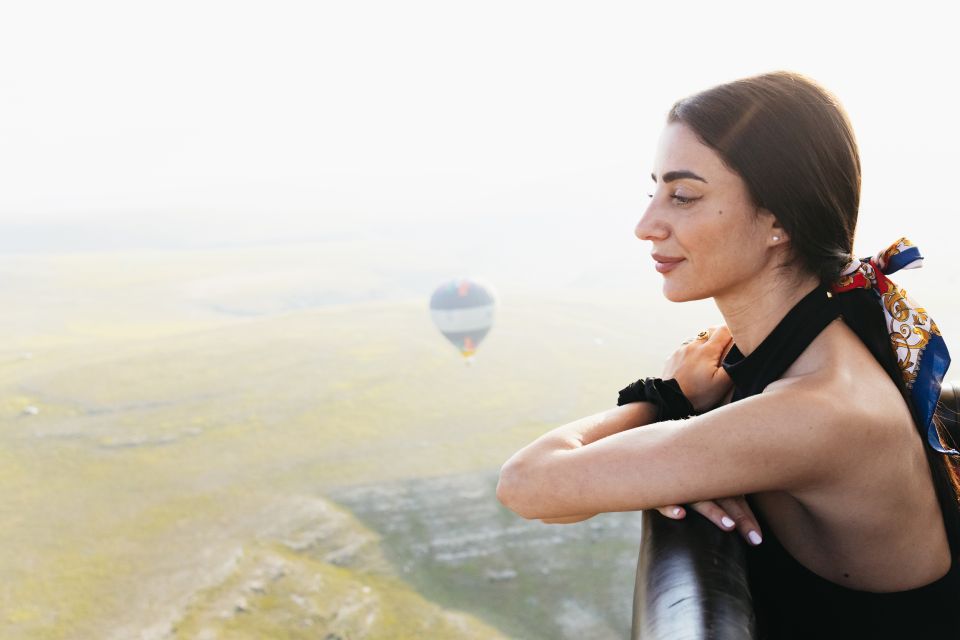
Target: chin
675 293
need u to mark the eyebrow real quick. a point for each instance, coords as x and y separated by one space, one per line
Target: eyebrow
670 176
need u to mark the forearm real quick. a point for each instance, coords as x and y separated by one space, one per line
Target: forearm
589 429
567 519
606 423
574 435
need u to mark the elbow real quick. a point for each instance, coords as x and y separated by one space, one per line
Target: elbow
510 487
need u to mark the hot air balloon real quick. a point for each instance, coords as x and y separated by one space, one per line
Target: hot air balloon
462 309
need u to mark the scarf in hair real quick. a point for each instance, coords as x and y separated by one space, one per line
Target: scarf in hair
914 337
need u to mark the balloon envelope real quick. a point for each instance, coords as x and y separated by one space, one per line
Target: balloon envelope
462 309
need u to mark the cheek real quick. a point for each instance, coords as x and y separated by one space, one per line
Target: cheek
711 239
721 247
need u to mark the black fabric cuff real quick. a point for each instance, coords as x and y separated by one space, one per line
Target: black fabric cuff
665 394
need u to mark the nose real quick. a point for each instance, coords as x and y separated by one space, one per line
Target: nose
651 226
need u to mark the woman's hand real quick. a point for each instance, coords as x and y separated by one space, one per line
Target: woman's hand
697 369
725 513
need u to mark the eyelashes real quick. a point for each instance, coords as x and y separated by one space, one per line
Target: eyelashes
679 199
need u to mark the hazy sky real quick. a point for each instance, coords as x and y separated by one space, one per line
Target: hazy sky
206 121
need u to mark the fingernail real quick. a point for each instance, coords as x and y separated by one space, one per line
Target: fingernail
755 537
727 522
677 511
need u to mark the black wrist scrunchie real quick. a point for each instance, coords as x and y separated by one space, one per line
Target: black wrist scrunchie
665 394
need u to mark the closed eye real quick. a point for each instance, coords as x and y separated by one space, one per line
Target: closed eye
680 199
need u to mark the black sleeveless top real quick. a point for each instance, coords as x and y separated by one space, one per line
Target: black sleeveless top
790 600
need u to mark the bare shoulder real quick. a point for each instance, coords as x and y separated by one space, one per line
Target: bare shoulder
854 396
839 528
839 368
842 390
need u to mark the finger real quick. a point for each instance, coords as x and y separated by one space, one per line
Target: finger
747 524
714 513
674 511
719 331
721 352
722 374
719 337
726 348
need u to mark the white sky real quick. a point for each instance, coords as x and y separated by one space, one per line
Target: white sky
247 120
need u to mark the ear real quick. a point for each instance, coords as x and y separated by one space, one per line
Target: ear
776 234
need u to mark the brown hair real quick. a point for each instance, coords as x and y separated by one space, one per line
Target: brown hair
792 143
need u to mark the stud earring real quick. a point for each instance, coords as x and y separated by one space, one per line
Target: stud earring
775 238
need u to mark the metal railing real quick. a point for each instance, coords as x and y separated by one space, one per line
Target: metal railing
692 578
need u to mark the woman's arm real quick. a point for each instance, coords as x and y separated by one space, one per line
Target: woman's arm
727 513
791 437
591 428
587 430
567 519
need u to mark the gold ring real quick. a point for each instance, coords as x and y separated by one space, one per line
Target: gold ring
703 335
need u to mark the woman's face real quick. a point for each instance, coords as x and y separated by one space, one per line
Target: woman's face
701 213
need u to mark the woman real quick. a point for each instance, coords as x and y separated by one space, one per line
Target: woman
804 418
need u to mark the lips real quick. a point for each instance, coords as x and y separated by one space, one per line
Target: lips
662 258
666 263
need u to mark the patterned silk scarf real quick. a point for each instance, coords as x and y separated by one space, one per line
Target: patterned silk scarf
914 337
